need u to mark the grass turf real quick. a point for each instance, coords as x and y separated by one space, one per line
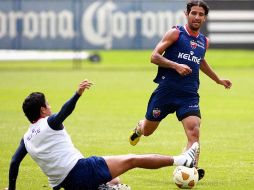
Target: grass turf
106 114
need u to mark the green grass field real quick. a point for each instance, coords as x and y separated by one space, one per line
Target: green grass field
107 113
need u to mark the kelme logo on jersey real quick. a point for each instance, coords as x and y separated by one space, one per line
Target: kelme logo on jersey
156 112
189 56
193 44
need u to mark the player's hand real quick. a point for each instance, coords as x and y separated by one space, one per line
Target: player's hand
6 188
225 82
85 84
183 69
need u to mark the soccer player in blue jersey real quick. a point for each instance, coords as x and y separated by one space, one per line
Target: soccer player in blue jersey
179 56
50 146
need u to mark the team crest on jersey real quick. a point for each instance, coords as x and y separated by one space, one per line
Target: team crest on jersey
156 112
193 44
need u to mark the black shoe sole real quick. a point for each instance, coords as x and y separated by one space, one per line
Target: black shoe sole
201 173
134 136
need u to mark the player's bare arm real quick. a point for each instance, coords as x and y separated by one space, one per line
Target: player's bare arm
169 38
205 68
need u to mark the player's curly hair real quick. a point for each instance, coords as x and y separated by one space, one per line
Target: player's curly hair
32 106
199 3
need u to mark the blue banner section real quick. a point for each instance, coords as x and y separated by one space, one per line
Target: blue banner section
115 24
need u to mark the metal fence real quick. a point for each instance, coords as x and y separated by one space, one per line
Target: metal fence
116 24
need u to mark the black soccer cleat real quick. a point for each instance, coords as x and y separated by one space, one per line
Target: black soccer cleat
201 173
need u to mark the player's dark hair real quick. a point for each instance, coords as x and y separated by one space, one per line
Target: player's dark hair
199 3
32 106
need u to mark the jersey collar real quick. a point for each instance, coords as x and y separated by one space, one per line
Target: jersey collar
190 32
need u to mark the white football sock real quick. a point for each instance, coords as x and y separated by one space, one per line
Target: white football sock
179 160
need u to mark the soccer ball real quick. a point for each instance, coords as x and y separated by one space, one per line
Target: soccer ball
184 177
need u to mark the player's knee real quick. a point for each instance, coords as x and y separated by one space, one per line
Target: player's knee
195 133
192 133
193 129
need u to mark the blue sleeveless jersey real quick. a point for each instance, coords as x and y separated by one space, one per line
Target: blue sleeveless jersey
187 50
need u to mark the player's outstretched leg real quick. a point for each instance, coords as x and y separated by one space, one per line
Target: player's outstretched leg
187 158
122 163
135 135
